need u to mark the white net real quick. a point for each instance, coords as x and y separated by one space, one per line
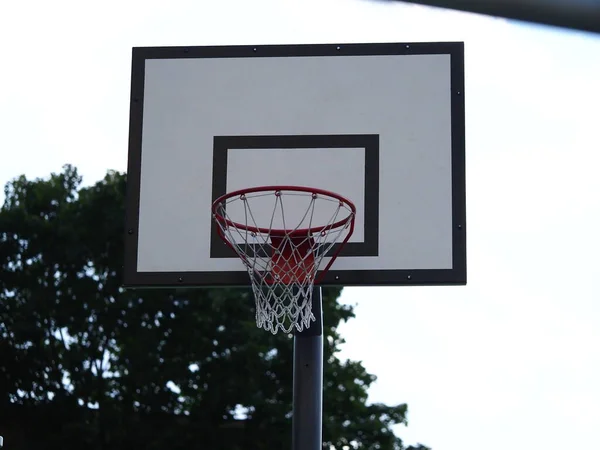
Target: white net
283 235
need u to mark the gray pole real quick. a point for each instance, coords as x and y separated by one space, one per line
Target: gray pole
576 14
307 410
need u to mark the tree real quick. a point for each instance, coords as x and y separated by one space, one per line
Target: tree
147 368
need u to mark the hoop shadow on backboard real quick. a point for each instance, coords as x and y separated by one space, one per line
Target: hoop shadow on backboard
369 245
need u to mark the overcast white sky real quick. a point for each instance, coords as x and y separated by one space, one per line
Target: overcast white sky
510 361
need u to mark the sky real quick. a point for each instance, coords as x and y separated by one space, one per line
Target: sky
512 360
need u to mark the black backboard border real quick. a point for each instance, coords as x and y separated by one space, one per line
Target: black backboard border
457 275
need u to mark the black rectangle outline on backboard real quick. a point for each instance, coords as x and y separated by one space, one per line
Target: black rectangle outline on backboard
370 142
457 275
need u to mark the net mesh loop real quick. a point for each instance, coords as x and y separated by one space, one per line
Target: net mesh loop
284 235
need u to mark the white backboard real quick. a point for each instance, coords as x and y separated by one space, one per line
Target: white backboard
380 124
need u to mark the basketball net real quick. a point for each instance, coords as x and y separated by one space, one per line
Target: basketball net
283 262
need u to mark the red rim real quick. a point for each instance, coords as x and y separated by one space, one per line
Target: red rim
280 231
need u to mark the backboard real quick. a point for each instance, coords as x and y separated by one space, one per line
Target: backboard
379 124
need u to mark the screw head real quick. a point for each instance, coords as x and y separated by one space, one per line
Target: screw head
130 231
180 279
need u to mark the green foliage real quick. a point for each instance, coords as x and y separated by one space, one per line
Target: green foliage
157 369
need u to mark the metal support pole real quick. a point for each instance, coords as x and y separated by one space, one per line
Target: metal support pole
307 410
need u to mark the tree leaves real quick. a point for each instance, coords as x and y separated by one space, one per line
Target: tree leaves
149 368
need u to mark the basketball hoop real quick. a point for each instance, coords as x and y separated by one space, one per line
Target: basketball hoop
282 234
